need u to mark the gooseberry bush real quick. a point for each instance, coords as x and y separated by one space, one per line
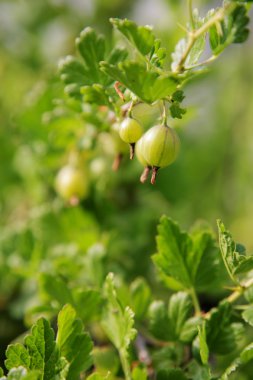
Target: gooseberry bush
88 322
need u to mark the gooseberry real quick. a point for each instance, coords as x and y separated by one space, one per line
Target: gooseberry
141 159
71 184
160 147
130 131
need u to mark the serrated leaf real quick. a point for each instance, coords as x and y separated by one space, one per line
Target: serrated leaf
141 37
39 353
173 247
117 322
74 344
159 323
176 111
95 94
178 96
148 85
247 315
231 30
245 356
235 262
179 310
92 49
203 347
180 255
245 265
140 294
190 329
77 73
42 349
17 355
223 336
158 54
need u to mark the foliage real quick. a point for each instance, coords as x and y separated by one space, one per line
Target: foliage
69 318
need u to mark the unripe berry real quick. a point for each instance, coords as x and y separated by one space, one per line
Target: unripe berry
141 159
160 147
71 183
130 132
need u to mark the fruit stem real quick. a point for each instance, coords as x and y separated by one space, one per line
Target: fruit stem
154 174
117 161
145 174
132 150
120 93
164 113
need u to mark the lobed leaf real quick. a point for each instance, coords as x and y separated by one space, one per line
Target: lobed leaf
148 85
74 344
181 256
141 37
117 321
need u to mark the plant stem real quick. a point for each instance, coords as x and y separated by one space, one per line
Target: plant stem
125 364
191 14
237 293
164 114
195 301
195 34
206 62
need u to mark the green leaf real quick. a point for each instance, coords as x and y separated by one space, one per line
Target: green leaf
198 372
223 336
231 30
17 355
158 54
178 96
176 111
42 349
88 303
74 75
21 373
148 85
171 374
200 43
140 294
247 354
190 329
106 359
247 315
245 357
56 289
173 248
180 309
245 265
235 262
39 352
139 373
141 37
182 257
117 321
74 344
203 347
95 94
92 49
159 323
77 73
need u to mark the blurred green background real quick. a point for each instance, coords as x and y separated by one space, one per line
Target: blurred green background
211 179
